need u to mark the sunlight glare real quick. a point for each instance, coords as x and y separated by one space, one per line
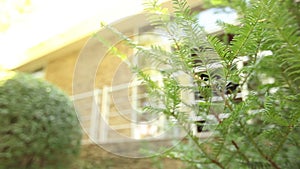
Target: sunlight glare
49 18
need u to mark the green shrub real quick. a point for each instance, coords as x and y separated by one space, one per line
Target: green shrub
38 124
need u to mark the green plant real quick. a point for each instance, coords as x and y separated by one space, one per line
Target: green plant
39 126
262 130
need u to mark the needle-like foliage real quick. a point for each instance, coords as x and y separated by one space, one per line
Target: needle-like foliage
262 129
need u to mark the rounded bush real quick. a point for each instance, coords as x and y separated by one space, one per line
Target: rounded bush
39 128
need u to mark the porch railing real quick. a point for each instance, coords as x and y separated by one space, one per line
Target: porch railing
112 115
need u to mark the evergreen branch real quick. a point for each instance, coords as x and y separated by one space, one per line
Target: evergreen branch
284 139
269 159
161 18
223 144
287 40
189 160
191 31
222 50
126 39
215 161
238 150
156 14
196 141
112 49
245 79
254 143
259 30
249 24
230 159
182 10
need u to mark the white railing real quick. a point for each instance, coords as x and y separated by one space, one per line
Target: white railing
100 110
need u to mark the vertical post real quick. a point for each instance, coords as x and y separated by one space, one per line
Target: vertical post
193 114
104 114
95 116
134 91
134 100
244 88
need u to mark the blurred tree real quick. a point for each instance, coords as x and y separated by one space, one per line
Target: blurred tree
38 124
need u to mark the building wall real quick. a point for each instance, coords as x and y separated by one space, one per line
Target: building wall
95 67
60 71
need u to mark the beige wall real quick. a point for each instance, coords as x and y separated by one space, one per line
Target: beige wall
60 72
93 70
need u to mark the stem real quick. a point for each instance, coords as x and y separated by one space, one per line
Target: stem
238 150
255 59
274 165
281 143
195 140
206 154
269 159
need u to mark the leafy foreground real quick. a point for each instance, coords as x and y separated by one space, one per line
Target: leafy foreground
262 129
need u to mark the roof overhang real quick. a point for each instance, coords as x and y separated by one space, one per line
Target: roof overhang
74 39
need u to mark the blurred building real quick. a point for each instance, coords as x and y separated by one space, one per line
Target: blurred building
107 95
99 82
